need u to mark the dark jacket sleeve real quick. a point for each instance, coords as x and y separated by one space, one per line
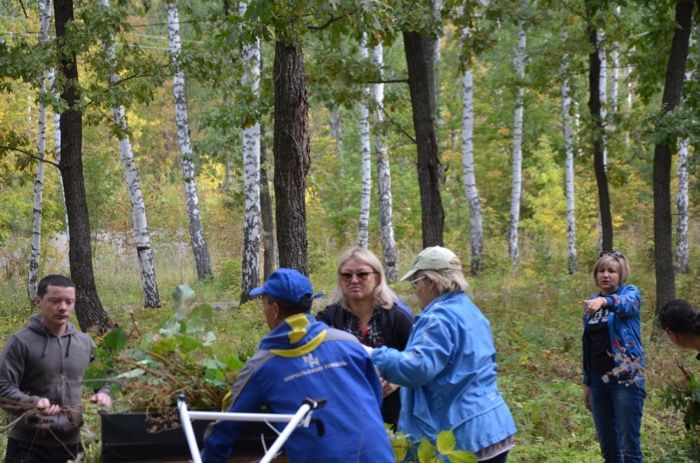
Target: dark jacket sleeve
403 325
12 365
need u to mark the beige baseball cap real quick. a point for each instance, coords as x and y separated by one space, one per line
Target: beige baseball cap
434 258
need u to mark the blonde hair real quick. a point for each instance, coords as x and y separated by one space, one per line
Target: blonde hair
383 295
446 280
615 258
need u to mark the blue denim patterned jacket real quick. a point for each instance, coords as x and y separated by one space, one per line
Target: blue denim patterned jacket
625 330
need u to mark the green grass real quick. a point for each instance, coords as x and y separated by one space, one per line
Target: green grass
536 323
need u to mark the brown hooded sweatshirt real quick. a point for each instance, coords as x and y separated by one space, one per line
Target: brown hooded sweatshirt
34 364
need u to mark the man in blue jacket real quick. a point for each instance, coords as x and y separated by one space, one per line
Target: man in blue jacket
300 358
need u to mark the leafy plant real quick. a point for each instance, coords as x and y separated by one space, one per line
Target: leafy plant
685 398
177 358
426 452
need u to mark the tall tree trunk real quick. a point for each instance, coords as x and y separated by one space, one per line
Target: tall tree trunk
569 167
151 298
470 189
268 224
88 307
419 60
682 248
517 159
199 244
291 150
336 122
32 276
614 87
597 131
366 161
437 12
603 89
663 227
681 262
386 221
57 152
251 174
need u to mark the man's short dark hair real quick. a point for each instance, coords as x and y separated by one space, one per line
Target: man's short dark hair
53 280
680 317
291 308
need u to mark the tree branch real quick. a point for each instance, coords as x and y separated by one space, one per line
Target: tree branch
387 81
328 23
396 124
27 153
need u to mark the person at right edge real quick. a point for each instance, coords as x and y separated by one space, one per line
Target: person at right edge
613 360
447 372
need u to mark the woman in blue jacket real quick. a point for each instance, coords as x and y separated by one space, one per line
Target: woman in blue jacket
613 360
448 368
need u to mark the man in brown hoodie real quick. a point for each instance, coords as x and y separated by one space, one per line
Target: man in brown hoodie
41 373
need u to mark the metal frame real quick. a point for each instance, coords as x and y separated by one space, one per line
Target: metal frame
302 417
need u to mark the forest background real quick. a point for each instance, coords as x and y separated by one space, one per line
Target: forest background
533 302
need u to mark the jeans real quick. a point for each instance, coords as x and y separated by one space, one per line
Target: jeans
617 413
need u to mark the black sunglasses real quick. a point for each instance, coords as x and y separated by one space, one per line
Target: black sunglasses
361 276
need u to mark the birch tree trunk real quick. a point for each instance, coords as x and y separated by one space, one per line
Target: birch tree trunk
57 153
614 87
44 85
569 165
517 159
437 12
603 89
366 161
251 173
663 225
88 307
682 248
386 221
268 224
336 122
151 298
470 189
199 244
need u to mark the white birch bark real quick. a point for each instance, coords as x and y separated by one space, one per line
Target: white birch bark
614 86
517 158
603 93
470 189
437 9
569 165
139 220
199 244
366 163
386 221
251 172
682 247
32 277
57 153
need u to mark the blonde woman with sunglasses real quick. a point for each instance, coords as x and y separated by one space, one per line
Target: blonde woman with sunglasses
364 305
613 360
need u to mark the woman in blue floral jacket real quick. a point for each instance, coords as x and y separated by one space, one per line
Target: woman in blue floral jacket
613 360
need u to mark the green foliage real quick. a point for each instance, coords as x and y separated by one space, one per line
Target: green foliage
426 452
685 398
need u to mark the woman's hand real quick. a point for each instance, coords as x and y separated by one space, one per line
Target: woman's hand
388 388
591 306
587 396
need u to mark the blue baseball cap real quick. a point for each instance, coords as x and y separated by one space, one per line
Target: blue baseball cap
286 284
